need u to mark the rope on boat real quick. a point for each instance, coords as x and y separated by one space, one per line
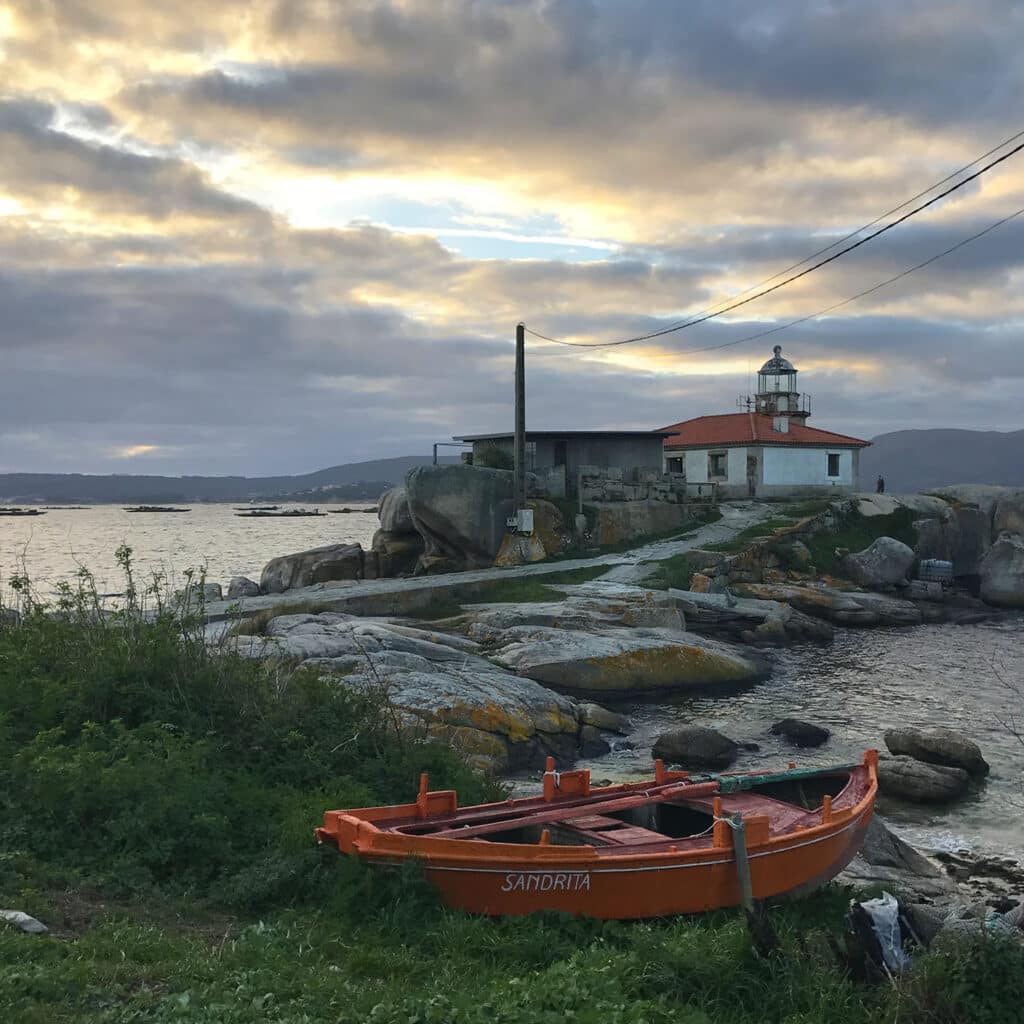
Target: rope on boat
557 777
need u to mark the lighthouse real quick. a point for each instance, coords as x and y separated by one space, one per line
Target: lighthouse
766 451
778 395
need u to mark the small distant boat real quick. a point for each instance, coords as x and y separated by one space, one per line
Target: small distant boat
21 512
675 844
156 508
256 508
292 513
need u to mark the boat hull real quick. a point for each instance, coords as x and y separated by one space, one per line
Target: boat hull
642 886
619 870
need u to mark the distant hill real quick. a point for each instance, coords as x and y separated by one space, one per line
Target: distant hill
353 481
919 460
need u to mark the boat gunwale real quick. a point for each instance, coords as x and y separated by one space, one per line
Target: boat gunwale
371 841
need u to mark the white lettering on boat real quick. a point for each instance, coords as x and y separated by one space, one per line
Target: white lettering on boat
547 881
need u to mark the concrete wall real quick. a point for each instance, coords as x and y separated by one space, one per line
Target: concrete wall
622 521
780 471
802 466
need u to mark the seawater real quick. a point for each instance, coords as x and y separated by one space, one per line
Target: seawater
969 678
52 547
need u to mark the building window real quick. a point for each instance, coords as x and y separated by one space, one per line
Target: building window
718 466
833 464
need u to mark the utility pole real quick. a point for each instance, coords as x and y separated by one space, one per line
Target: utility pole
519 443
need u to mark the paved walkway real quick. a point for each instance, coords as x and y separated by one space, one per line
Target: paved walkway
624 567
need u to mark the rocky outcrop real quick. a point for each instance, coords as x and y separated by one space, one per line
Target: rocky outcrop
938 746
461 512
318 565
885 859
397 553
441 687
1002 572
885 563
918 782
623 661
196 594
764 623
843 607
800 733
242 586
393 510
696 745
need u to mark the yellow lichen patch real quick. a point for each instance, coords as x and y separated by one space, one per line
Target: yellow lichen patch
665 668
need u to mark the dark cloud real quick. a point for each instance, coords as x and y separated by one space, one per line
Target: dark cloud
719 140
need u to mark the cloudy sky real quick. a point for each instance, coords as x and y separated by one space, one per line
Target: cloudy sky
269 236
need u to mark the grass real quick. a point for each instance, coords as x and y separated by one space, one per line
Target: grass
856 533
745 536
156 807
514 590
673 573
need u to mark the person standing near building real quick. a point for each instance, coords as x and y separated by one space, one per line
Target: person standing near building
880 486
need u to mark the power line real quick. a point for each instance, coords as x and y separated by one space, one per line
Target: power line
803 273
872 223
859 295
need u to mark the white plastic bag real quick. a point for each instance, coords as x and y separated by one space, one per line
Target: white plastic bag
885 921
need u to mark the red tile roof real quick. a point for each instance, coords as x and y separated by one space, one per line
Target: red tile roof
752 428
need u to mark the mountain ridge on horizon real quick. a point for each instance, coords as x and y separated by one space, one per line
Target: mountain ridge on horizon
356 480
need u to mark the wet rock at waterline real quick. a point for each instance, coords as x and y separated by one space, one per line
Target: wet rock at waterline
622 661
318 565
884 859
1002 572
907 779
886 562
800 733
196 594
242 586
696 745
938 746
842 607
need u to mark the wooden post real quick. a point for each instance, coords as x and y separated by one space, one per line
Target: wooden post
739 846
519 441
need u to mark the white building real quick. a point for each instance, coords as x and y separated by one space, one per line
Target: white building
768 450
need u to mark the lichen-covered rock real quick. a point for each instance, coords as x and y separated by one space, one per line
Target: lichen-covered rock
393 510
549 527
519 549
318 565
843 607
800 733
938 746
461 513
242 586
440 685
622 661
1002 572
749 619
884 563
696 745
919 782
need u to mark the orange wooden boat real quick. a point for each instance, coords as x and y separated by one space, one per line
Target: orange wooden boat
676 844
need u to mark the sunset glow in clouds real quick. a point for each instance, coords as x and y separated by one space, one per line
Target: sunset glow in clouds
276 235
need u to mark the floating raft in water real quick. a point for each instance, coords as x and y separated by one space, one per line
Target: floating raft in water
675 844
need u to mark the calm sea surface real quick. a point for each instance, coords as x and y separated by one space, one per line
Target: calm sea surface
53 546
865 682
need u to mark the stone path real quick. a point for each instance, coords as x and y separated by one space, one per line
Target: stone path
397 596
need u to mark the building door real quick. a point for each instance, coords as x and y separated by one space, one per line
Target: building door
561 452
752 475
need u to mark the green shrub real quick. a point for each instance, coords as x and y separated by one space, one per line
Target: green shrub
492 456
